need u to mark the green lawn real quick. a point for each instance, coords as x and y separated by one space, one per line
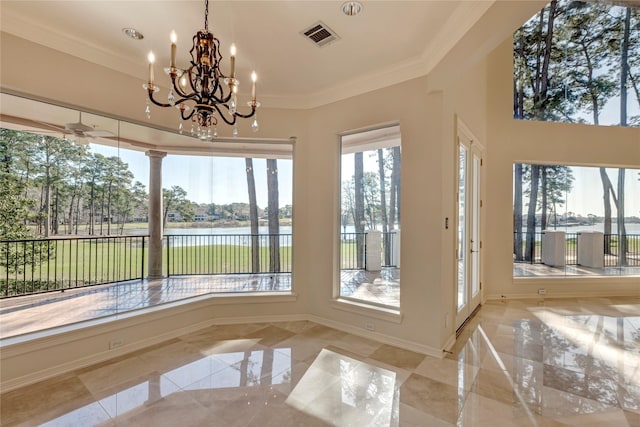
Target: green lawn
92 261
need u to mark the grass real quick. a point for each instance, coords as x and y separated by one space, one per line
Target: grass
82 262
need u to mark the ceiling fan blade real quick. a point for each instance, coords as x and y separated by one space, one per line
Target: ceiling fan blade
99 133
52 127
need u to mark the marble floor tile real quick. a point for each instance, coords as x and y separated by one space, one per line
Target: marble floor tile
270 335
44 401
437 399
396 356
551 362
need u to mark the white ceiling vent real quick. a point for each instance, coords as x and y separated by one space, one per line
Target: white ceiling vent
320 34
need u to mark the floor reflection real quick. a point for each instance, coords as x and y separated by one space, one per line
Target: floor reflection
518 363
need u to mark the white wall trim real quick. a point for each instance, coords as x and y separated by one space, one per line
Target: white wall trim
101 356
568 294
375 312
259 319
385 339
450 342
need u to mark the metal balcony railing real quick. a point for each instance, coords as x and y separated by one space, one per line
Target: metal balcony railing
353 250
189 254
611 248
42 265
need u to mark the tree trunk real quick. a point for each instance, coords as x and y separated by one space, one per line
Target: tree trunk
56 221
47 201
383 208
517 213
396 175
253 216
543 219
359 202
69 225
109 210
92 209
274 211
622 232
606 189
531 215
624 70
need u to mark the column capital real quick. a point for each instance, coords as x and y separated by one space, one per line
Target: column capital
157 154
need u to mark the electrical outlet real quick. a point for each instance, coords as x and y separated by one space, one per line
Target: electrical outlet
542 291
446 320
116 343
370 326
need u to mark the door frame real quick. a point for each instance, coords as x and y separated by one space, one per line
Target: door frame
474 178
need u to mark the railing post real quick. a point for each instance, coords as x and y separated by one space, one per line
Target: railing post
142 259
168 256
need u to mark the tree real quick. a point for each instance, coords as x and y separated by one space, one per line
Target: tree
253 216
624 73
383 206
273 212
530 242
175 198
556 182
358 220
394 192
15 257
517 212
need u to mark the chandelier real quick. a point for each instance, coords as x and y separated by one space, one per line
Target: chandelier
202 93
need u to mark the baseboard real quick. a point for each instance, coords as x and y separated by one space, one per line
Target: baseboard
72 365
450 343
260 319
554 294
385 339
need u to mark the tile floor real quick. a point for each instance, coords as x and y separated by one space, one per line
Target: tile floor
553 362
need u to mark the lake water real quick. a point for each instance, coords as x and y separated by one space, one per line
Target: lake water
224 231
631 228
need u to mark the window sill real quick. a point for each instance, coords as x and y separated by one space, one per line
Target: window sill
382 313
142 315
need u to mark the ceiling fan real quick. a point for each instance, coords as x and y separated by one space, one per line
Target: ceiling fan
81 130
77 129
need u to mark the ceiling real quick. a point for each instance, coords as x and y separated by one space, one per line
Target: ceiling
389 42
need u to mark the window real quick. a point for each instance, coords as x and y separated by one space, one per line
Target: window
370 217
574 62
576 221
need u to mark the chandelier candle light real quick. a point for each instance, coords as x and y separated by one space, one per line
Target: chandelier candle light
201 87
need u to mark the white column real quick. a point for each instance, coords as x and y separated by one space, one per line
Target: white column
553 248
591 249
374 251
155 213
395 248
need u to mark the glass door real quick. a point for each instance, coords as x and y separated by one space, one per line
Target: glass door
468 248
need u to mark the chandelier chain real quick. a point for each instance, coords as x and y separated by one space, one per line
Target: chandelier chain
206 15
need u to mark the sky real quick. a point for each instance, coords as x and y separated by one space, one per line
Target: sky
587 193
220 180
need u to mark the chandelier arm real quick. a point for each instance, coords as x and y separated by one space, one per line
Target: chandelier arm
246 116
223 116
181 93
188 116
159 104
